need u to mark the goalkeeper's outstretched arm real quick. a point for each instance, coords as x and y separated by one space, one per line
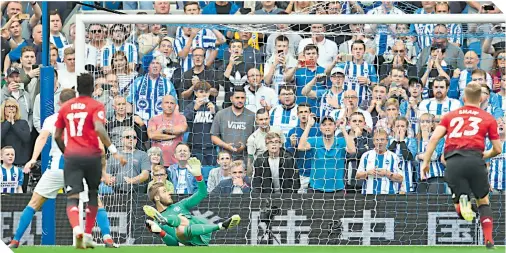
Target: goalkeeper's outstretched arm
194 166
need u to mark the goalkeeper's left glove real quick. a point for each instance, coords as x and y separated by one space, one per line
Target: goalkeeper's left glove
195 167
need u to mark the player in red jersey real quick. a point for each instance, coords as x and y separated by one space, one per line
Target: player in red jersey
82 118
466 172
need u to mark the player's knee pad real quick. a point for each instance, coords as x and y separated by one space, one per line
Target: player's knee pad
93 198
72 202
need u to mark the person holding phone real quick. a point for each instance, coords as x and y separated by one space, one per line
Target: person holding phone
277 65
17 93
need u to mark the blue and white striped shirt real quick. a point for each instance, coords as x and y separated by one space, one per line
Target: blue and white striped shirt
424 32
129 49
437 168
379 185
465 78
352 72
56 161
407 166
435 108
205 39
497 168
11 179
325 108
284 119
455 33
384 36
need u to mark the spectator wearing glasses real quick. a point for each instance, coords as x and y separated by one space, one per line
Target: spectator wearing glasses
119 34
351 106
95 46
15 92
15 131
380 168
284 115
159 175
275 171
132 176
192 38
237 183
461 78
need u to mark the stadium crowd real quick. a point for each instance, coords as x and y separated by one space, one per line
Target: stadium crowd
293 109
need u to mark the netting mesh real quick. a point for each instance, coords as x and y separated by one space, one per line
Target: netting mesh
317 190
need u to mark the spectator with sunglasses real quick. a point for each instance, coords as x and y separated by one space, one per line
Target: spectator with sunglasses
97 43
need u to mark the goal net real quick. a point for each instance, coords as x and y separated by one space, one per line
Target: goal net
318 189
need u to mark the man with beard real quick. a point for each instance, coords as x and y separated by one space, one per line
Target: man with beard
233 125
256 142
285 114
440 104
327 173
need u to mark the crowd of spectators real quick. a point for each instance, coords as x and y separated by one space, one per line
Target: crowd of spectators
301 108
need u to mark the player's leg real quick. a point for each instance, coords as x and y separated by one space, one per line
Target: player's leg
479 183
47 188
103 224
154 228
73 175
459 187
92 175
188 231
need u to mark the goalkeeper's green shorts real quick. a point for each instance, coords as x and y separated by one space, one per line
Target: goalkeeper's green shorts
200 240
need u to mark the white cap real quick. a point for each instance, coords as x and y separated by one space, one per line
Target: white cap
337 70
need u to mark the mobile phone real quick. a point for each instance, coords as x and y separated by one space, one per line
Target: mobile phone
302 64
239 58
236 145
106 86
347 57
36 66
23 16
321 79
310 63
281 51
489 7
245 10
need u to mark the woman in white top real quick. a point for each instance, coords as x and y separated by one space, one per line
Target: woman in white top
122 70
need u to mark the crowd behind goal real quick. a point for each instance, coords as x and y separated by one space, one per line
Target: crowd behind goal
293 109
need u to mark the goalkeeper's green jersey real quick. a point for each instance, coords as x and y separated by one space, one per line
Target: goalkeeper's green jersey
183 208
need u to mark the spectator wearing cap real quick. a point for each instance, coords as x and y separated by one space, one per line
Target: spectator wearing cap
330 99
328 170
200 114
275 169
147 91
57 88
199 72
28 75
119 34
16 92
257 94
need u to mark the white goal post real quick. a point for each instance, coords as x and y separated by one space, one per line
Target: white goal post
82 20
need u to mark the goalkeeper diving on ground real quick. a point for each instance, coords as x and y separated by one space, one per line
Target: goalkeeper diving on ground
174 223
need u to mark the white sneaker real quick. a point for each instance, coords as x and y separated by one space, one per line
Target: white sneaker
78 234
88 241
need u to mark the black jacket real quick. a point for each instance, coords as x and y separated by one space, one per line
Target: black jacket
288 174
17 135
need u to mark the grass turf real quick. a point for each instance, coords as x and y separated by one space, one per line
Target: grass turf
266 249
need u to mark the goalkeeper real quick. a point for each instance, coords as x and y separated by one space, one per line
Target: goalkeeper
174 223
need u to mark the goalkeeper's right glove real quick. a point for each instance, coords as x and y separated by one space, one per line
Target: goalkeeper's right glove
195 167
154 228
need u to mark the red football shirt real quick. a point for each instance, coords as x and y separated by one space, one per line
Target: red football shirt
467 128
77 116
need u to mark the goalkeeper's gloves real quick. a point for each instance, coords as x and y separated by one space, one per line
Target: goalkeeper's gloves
195 167
153 227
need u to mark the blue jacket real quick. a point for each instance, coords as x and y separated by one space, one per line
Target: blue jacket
191 182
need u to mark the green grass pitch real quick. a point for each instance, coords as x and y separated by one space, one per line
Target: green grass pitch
266 249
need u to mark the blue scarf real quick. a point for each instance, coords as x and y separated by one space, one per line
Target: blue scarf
148 99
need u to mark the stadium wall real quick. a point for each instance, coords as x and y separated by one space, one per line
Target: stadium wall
319 219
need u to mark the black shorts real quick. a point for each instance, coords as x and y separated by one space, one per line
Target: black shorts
466 173
78 168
